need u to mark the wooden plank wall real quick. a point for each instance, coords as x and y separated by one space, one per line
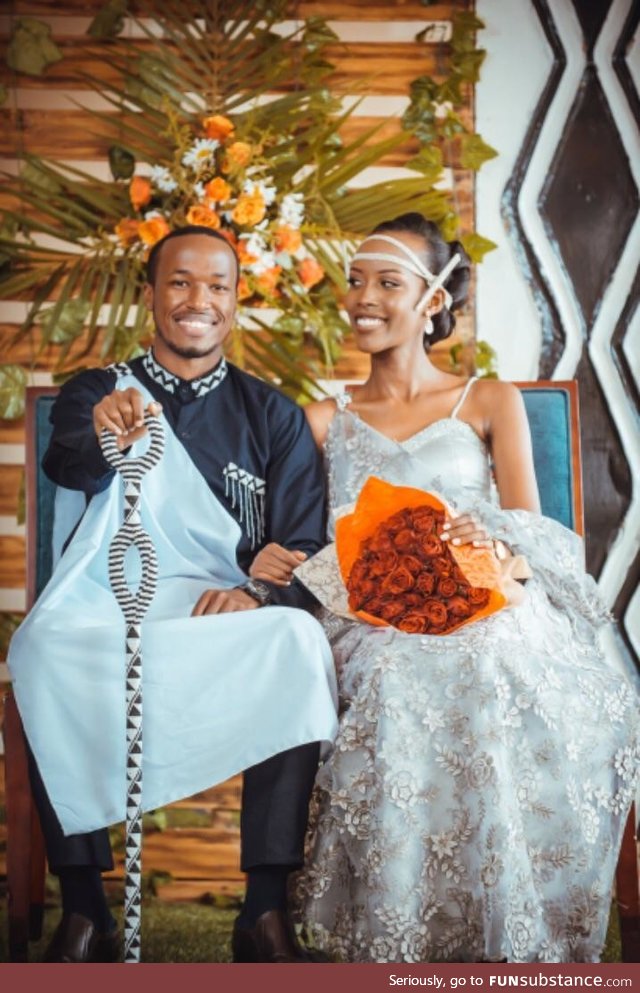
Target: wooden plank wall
377 49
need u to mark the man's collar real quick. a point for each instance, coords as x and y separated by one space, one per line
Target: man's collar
170 382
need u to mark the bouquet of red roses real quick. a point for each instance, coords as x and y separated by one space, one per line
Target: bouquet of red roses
399 572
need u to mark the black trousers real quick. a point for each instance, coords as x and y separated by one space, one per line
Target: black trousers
275 804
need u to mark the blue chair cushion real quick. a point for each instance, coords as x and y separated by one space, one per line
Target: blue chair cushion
549 413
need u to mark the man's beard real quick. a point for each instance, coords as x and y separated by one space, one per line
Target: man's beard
188 352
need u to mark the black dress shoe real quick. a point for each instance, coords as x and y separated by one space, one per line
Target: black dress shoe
76 940
272 939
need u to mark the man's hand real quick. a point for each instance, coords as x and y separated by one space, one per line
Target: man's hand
275 564
223 602
122 413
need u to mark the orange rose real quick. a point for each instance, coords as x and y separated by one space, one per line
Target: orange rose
458 607
238 156
436 613
424 520
430 545
244 290
404 540
412 600
478 596
267 281
310 272
397 522
425 584
245 257
399 581
139 192
412 624
217 127
447 587
288 239
411 564
207 218
391 610
442 566
217 189
127 230
374 606
250 208
153 230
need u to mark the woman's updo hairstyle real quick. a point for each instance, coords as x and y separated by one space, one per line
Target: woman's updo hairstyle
437 254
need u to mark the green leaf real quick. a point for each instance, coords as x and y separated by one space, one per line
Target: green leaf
474 151
467 64
30 48
13 383
465 21
35 174
428 161
476 246
486 360
8 624
69 323
109 21
121 162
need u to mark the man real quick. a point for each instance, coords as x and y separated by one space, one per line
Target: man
222 693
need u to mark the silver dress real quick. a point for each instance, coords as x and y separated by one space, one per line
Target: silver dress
473 804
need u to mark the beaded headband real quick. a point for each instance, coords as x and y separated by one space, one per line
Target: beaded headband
415 265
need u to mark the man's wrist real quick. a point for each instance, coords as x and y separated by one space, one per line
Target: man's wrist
258 590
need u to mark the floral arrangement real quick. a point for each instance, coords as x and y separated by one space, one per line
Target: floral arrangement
227 116
220 181
405 575
399 572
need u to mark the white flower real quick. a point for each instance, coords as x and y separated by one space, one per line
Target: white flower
443 844
292 210
200 153
198 190
267 192
254 244
162 178
151 214
442 109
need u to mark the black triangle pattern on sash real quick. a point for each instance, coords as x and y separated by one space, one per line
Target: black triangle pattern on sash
134 606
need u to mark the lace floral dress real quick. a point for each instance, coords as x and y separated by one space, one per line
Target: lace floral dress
474 801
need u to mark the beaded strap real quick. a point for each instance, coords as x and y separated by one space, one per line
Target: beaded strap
134 606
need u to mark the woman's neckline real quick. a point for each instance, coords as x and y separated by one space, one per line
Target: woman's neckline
401 442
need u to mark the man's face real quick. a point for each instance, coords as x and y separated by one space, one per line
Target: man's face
193 300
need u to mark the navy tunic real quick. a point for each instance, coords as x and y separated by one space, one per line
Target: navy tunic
225 418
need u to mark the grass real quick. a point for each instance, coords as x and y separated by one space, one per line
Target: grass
194 932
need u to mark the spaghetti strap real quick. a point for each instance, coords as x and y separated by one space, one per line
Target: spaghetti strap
456 410
342 400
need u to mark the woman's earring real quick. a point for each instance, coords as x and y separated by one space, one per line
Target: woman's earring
428 327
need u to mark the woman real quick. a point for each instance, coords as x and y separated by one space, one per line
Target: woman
473 804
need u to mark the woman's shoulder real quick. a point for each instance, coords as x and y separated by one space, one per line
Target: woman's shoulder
319 414
496 397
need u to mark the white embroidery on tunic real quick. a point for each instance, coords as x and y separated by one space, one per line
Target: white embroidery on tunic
170 382
120 369
248 493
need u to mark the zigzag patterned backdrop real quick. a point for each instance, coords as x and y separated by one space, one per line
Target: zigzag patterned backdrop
569 204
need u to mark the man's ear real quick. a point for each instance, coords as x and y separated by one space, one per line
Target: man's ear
147 295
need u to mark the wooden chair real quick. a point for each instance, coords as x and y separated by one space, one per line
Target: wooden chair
25 844
552 409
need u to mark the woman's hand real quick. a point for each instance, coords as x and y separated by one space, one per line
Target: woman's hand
275 564
465 530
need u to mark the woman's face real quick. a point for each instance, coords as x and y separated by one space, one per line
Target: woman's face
382 296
